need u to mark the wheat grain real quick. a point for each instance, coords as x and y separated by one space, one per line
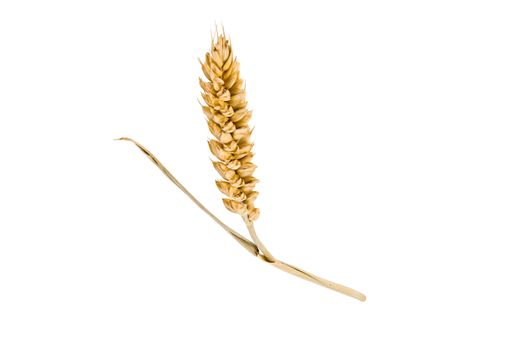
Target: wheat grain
227 116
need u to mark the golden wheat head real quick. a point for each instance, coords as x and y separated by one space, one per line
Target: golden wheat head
228 119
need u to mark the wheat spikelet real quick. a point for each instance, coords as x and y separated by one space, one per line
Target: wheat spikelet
228 118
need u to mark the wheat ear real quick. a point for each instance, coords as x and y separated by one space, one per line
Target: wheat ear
228 116
228 119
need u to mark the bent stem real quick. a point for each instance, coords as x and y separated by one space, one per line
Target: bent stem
296 271
249 246
251 229
257 248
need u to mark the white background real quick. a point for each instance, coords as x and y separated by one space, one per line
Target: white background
388 144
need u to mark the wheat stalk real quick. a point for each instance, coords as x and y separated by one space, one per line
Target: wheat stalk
228 117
